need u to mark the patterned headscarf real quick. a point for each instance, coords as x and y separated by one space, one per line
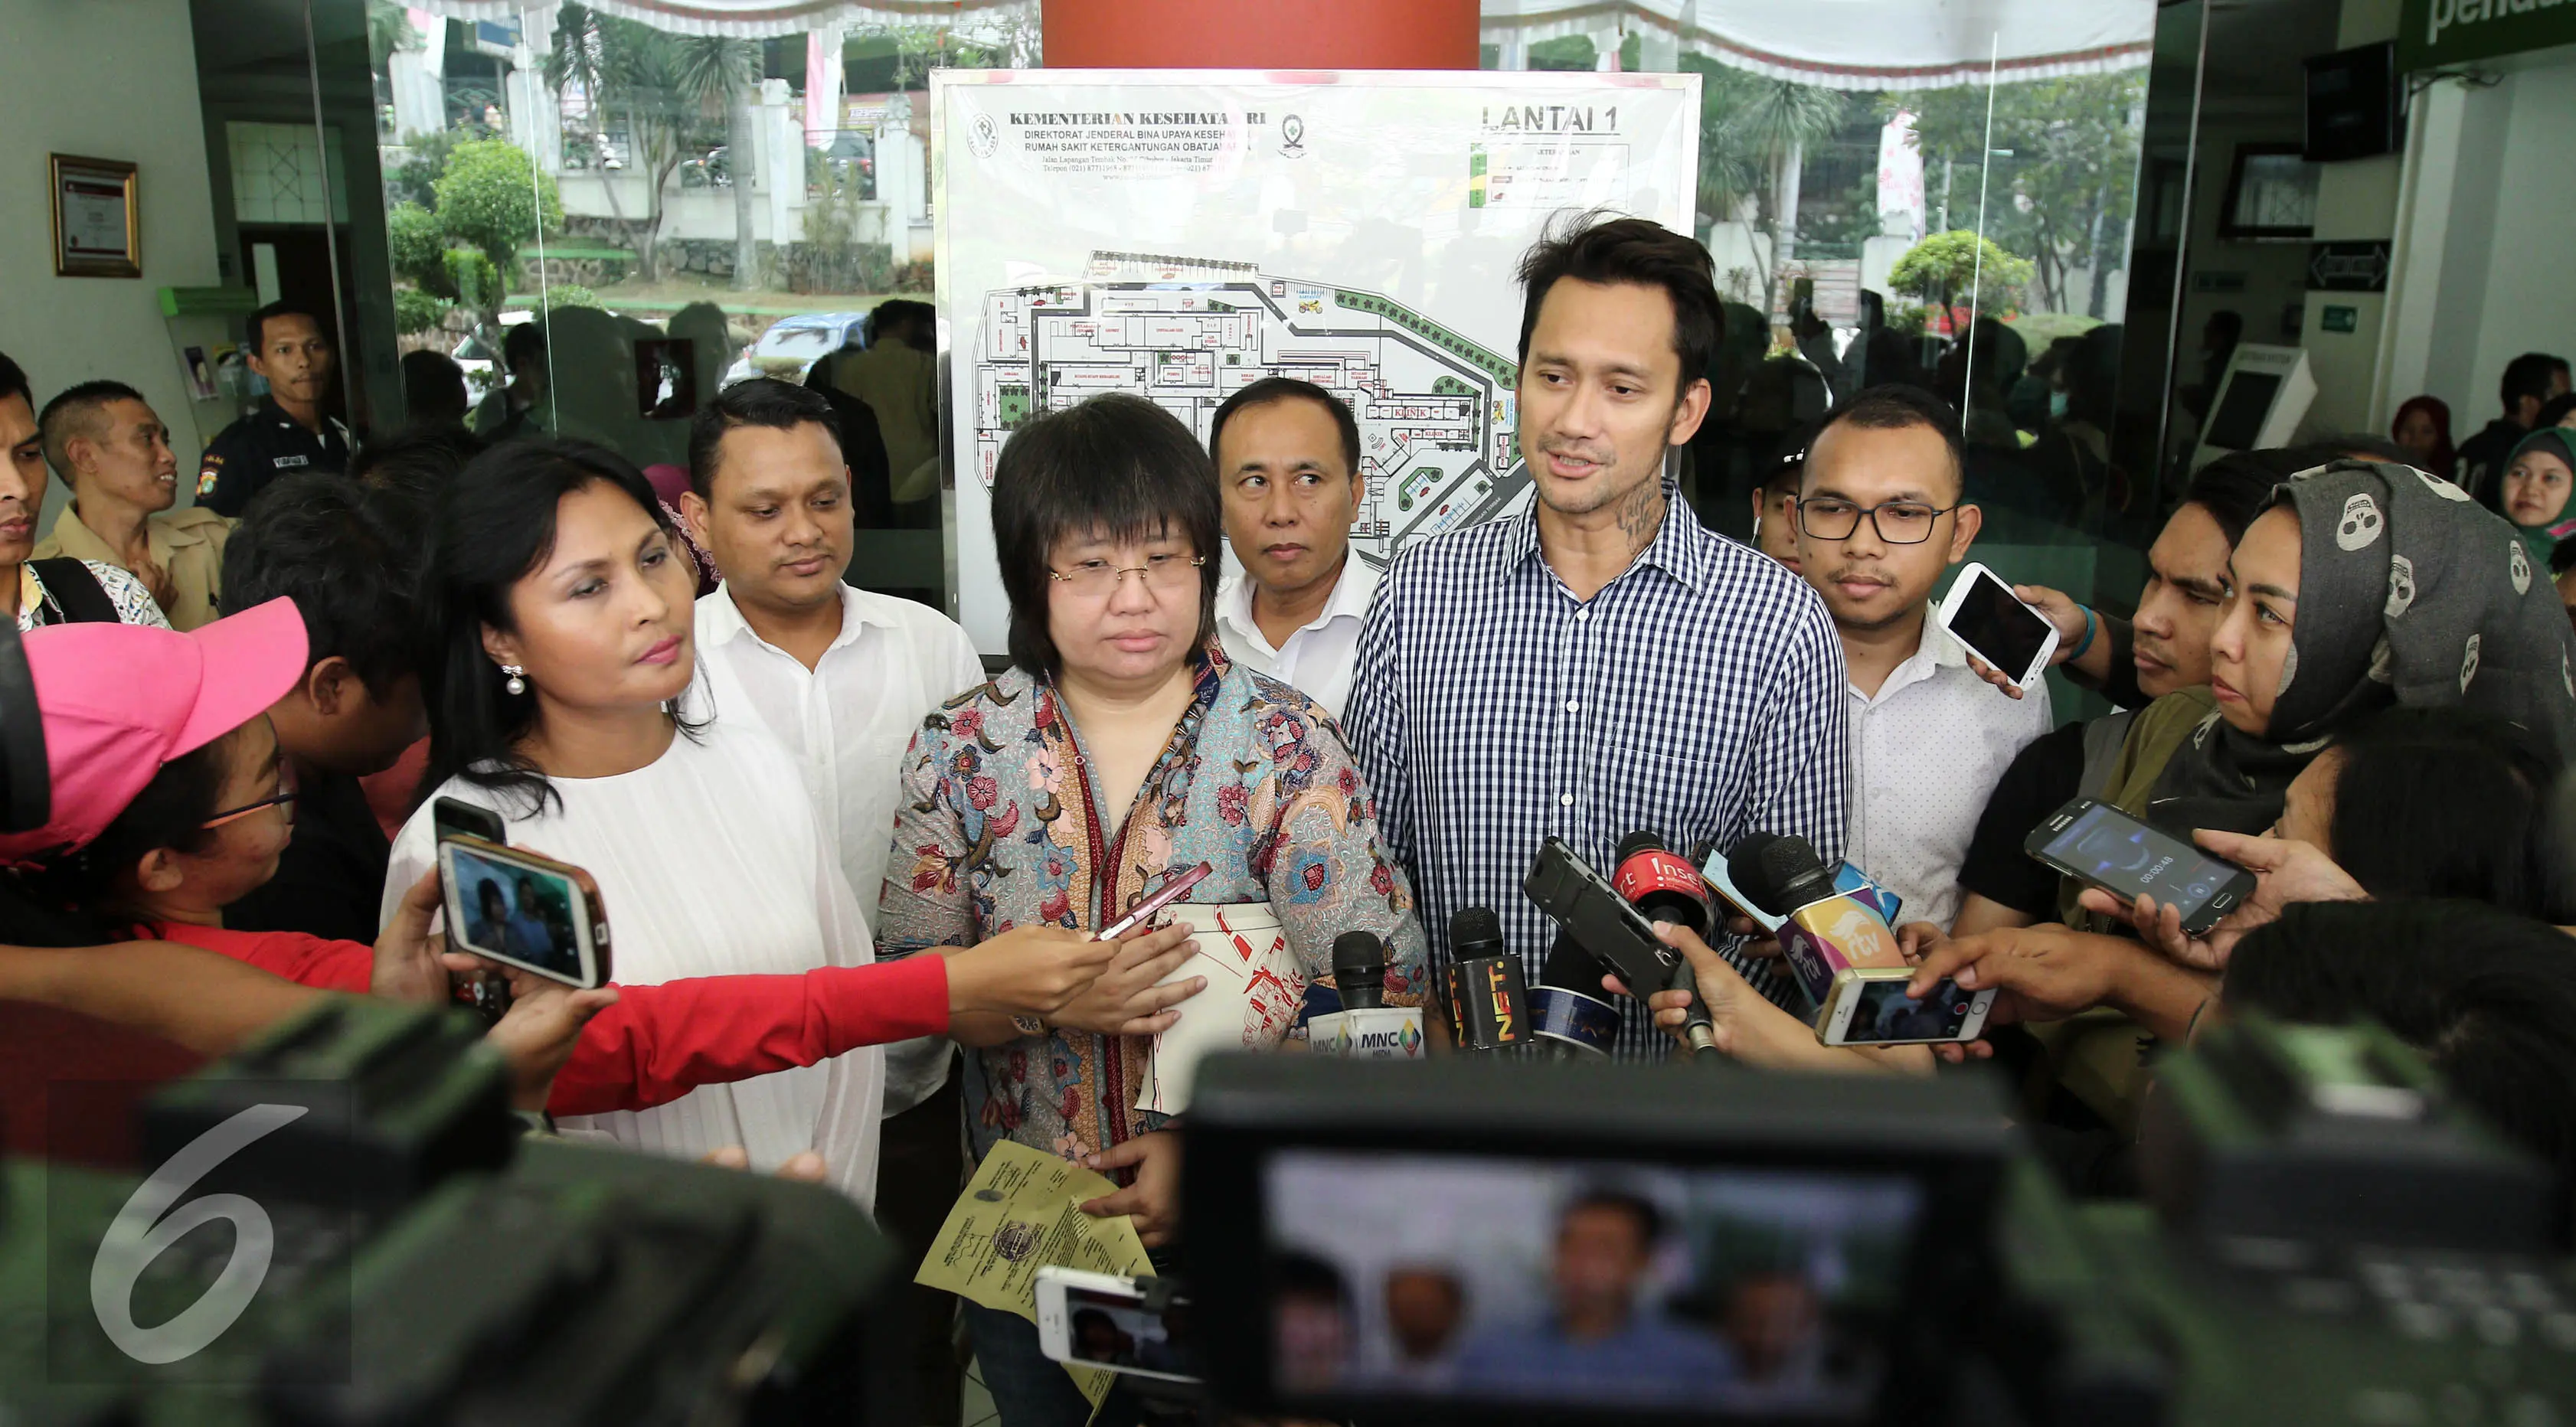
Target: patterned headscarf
2544 537
2410 593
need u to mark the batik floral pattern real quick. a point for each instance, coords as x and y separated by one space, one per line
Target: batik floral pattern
997 828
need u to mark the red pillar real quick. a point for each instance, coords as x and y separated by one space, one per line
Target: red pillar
1260 34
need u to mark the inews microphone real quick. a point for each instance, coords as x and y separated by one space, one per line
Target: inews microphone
1366 1028
1566 1010
1488 997
1823 930
1669 890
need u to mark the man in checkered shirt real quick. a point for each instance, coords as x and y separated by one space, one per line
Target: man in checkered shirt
1599 664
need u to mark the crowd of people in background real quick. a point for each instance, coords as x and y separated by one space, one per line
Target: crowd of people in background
840 851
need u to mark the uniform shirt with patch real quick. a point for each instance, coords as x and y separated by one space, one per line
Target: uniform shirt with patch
245 456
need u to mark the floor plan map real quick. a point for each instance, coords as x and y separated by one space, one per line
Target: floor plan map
1435 410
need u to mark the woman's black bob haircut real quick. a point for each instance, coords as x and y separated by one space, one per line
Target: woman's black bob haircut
1117 466
489 529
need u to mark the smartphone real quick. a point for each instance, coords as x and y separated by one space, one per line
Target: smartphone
2098 844
1982 613
1868 1006
1603 923
523 910
449 818
1155 901
1101 1320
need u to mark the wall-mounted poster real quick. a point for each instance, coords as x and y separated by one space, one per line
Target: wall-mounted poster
1181 234
98 218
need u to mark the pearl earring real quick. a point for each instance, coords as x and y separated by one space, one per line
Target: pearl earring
517 683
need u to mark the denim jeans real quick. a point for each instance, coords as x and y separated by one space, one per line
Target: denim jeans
1029 1388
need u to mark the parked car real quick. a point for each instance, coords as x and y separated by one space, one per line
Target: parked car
791 346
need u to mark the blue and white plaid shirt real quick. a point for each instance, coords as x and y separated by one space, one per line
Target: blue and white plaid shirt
1700 695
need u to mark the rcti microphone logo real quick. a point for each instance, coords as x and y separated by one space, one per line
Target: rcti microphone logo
154 1219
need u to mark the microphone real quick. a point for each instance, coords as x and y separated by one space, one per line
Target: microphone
1573 1022
1823 930
1366 1028
1488 996
1669 890
1359 969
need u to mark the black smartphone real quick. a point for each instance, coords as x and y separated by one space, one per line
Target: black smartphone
1602 922
2098 844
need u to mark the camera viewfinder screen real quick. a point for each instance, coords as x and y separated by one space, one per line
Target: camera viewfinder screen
513 913
1114 1331
1586 1285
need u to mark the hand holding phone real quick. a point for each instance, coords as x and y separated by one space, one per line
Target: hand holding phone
2098 844
1983 614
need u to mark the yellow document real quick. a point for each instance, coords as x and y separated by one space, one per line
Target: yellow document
1019 1215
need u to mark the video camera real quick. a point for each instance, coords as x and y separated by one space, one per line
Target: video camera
410 1258
2327 1238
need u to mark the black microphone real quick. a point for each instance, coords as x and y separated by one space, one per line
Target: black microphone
1670 890
1779 874
1359 970
1823 931
1488 996
1567 1012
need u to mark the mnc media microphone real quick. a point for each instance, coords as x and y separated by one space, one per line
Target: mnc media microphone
1669 890
1366 1028
1823 930
1569 1013
1488 997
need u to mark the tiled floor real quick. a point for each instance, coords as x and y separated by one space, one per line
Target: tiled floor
979 1411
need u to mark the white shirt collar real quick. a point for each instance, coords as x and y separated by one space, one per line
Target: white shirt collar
1349 600
1934 651
723 620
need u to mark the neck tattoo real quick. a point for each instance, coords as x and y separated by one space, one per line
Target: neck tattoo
1640 513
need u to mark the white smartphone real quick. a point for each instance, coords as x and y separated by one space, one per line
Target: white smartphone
524 910
1868 1006
1099 1320
1982 613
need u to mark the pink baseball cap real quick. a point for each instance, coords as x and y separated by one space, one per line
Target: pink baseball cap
120 700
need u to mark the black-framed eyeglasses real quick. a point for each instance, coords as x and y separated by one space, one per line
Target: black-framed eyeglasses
283 800
1898 522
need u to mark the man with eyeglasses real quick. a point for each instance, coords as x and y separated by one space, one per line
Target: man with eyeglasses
1882 512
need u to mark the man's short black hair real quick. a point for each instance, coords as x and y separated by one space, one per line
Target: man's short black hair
1116 465
2562 557
411 467
1893 407
434 387
351 563
1598 248
13 382
76 411
526 342
1648 1218
888 320
2234 489
756 401
2531 375
260 319
1270 389
1297 1275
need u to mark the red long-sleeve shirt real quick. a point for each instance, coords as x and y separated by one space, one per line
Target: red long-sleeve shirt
660 1042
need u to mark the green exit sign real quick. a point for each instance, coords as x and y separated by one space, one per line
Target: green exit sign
2340 319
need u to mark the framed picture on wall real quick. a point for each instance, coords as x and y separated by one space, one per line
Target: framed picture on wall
2271 195
98 218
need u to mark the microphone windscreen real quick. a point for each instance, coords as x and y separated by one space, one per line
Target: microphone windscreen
1570 966
1794 874
1751 875
1359 969
1635 843
1475 931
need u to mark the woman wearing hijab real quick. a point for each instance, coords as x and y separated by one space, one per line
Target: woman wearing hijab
2362 586
2423 426
2537 478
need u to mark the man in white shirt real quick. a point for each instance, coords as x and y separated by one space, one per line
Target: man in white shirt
1882 512
1288 461
843 677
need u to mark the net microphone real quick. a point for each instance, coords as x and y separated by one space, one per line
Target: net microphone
1823 930
1573 1022
1366 1028
1669 890
1488 996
